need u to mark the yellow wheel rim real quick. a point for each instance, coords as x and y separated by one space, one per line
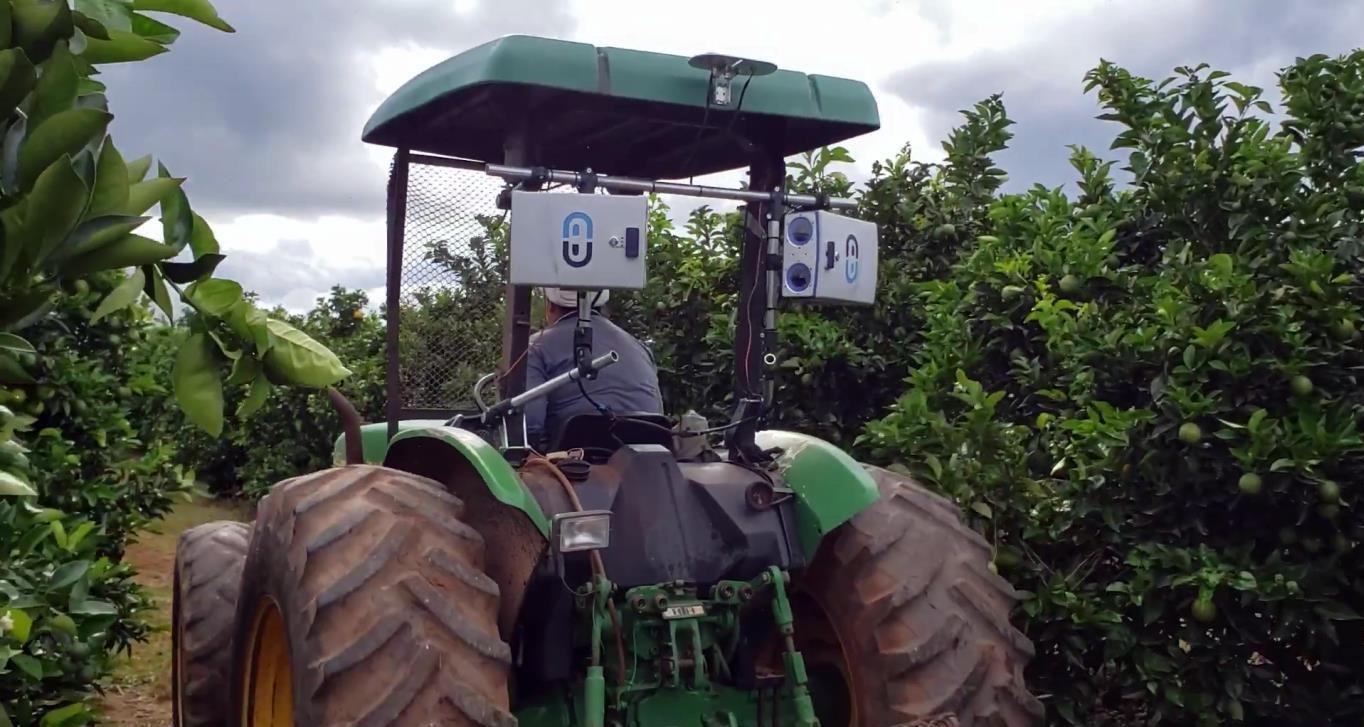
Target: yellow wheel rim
268 691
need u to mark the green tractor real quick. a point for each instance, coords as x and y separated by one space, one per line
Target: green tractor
644 570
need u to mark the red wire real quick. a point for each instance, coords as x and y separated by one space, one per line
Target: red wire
748 345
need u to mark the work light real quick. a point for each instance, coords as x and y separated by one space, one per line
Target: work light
579 531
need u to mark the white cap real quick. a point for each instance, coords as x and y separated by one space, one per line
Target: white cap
565 298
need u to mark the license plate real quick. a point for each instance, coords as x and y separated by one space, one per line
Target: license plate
688 611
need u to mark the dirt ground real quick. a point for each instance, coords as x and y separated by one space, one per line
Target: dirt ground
139 692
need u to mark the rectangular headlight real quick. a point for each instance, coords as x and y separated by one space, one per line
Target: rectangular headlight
579 531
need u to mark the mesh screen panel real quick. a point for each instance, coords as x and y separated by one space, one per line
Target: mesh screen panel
451 286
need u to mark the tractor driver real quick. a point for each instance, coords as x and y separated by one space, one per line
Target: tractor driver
629 385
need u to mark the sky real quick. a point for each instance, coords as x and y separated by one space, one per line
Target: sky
266 122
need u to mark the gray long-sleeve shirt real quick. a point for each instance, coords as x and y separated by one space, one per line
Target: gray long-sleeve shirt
629 385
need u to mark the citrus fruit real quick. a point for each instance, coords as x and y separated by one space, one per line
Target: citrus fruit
1345 330
1204 610
1287 535
1250 484
1312 545
1341 544
1328 510
1190 433
1300 385
62 622
358 315
82 287
946 229
1329 492
1070 285
18 396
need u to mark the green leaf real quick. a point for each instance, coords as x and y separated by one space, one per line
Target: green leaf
69 573
91 27
71 714
215 297
110 195
122 47
12 372
198 389
1337 611
177 219
23 625
137 171
54 207
255 399
18 310
14 344
95 233
144 195
983 510
112 14
39 24
28 665
250 324
183 273
121 297
6 36
201 240
154 30
1281 464
56 88
9 172
296 358
156 290
94 608
200 10
245 369
63 134
127 252
17 79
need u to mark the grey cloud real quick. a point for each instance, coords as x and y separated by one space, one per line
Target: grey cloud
293 274
269 119
1041 79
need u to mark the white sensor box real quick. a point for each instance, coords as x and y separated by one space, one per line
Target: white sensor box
828 258
589 241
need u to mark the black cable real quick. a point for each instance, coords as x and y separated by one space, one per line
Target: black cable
739 106
701 129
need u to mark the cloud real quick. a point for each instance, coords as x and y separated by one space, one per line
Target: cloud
1041 76
293 274
268 120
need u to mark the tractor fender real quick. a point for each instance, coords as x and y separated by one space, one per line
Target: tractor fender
497 504
830 486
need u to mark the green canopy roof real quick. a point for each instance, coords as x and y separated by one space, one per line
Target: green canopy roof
617 111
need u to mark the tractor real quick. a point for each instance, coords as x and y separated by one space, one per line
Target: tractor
643 570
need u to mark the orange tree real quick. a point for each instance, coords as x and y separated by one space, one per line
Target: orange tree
1149 396
74 479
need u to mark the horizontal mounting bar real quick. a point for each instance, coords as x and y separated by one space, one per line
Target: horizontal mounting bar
633 184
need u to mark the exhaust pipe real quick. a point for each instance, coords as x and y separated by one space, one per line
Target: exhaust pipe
350 426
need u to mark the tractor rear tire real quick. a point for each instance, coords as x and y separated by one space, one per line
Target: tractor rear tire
919 619
365 602
208 569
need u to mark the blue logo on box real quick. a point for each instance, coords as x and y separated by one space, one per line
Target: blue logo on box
850 260
578 239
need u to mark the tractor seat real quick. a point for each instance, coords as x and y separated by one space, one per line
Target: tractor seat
596 431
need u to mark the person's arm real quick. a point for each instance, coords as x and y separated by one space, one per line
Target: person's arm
537 373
